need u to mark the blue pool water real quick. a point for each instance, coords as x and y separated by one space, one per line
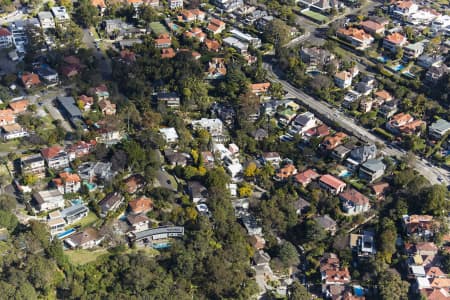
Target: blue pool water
409 74
76 201
65 233
90 186
175 27
398 67
382 59
68 170
314 73
358 291
161 246
345 174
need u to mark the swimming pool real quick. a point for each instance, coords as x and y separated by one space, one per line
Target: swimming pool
68 170
76 201
161 246
65 233
358 291
90 186
397 68
345 174
382 59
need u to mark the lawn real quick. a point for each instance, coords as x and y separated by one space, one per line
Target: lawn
90 219
315 16
9 146
81 257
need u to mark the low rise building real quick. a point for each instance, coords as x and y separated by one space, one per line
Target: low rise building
74 213
357 37
110 203
157 237
13 131
372 169
353 202
170 135
56 157
86 239
439 129
48 200
67 183
33 165
332 184
394 41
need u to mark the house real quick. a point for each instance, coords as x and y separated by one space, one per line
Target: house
67 183
140 205
246 38
285 172
95 171
197 192
60 14
212 45
306 177
109 136
80 149
208 159
175 4
419 225
48 74
192 15
74 213
30 80
439 129
301 206
101 92
413 51
48 200
18 106
366 85
272 158
331 184
215 26
357 37
156 237
302 123
360 155
426 249
170 135
213 126
257 242
372 169
55 222
56 157
315 56
259 134
353 202
100 5
134 182
7 117
372 27
110 203
403 8
233 42
394 41
429 60
85 102
343 79
170 100
196 33
363 244
175 158
46 20
382 96
6 38
33 165
106 107
233 167
440 23
70 110
163 41
216 69
251 225
138 222
435 74
319 131
13 131
326 223
340 152
228 5
380 189
127 56
388 109
86 239
331 142
404 124
167 53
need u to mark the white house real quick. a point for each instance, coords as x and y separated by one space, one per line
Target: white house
60 14
302 123
6 38
48 200
13 131
343 79
175 4
170 135
46 20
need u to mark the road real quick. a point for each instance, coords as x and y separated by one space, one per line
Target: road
332 114
104 63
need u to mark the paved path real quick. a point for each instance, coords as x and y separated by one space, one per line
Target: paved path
432 173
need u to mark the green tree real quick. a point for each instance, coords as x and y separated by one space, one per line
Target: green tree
86 13
388 236
391 286
297 291
288 254
250 170
8 220
434 200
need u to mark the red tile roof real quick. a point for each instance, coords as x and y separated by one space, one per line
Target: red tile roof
332 181
354 196
141 205
4 32
51 152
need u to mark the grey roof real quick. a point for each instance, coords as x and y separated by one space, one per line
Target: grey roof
364 153
440 125
301 204
45 15
177 230
374 165
74 210
165 95
32 159
68 104
325 221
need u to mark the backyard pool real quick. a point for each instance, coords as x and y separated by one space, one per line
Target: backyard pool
358 291
313 73
76 201
90 186
161 246
65 233
382 59
397 68
345 174
68 170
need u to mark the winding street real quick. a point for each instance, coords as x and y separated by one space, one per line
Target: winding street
423 167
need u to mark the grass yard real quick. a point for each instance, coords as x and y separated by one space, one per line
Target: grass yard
315 16
158 28
81 257
90 219
9 146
